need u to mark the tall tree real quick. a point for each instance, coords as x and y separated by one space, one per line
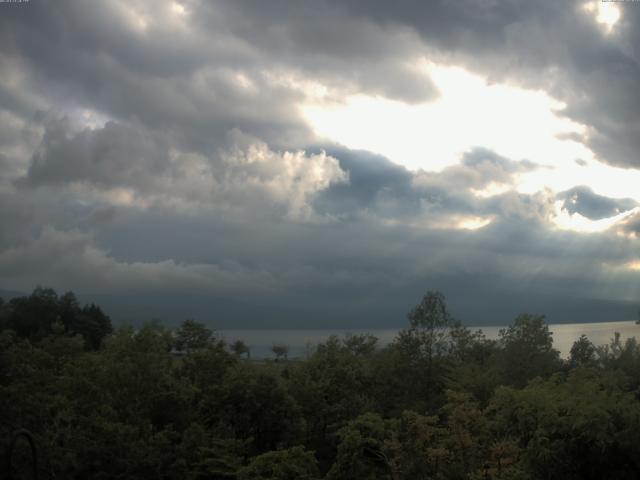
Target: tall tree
360 344
583 352
281 351
32 316
527 350
240 348
429 322
192 336
420 350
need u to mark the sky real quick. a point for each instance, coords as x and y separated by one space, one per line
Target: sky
323 163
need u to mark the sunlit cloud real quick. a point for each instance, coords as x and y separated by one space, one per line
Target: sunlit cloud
579 223
491 190
462 222
81 118
469 112
604 179
448 222
633 265
473 223
244 81
178 9
136 19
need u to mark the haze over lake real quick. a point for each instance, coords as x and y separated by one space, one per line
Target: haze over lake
302 342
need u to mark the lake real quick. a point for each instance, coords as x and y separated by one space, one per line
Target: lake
301 341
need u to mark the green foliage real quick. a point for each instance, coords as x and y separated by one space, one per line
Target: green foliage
527 350
254 405
473 360
332 387
205 369
578 428
240 348
363 451
362 344
417 363
423 452
292 464
440 402
429 324
280 350
468 432
192 336
37 316
583 352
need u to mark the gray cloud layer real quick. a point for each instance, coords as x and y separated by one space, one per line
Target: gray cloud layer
582 200
148 152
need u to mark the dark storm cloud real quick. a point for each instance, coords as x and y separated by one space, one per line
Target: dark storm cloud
184 77
388 190
147 152
373 264
348 53
181 80
477 169
95 52
374 183
111 156
352 46
16 220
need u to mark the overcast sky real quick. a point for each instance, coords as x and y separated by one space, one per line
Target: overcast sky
323 162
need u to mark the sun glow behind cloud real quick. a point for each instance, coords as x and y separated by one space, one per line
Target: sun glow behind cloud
470 112
633 265
450 222
606 14
578 223
473 223
178 9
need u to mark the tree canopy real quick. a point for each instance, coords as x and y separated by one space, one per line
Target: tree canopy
439 402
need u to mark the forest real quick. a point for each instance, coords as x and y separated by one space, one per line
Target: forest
440 402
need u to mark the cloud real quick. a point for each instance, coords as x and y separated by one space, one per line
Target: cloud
558 47
215 67
631 226
233 62
478 170
70 258
16 218
288 178
128 165
113 155
150 149
584 201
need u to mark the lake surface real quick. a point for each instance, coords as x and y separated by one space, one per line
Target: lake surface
302 342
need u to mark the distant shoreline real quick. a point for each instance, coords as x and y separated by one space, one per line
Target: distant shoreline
301 340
